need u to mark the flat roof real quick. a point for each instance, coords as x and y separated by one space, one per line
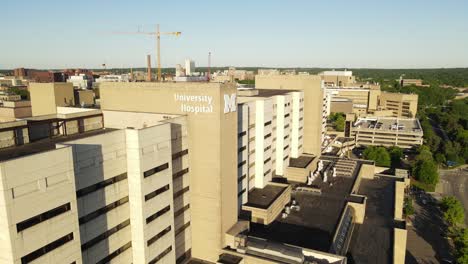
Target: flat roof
388 124
269 92
45 144
314 225
372 242
263 198
301 162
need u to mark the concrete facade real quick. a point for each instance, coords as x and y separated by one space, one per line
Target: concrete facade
46 97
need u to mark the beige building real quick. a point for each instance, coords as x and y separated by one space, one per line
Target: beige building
387 131
402 105
15 109
338 78
46 97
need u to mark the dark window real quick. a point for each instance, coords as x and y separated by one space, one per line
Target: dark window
158 236
300 119
42 217
181 210
179 193
152 217
115 253
268 123
155 170
180 173
287 146
102 210
300 137
286 126
184 256
241 164
105 235
100 185
157 192
266 172
301 109
241 149
285 158
267 160
267 136
160 256
285 137
301 128
300 146
182 228
286 115
46 249
241 192
241 178
242 134
267 148
179 154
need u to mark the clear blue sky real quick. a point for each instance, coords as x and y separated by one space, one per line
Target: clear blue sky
326 33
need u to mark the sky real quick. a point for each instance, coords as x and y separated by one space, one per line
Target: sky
57 34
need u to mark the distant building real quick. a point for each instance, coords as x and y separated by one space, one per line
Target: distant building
179 71
80 81
189 67
408 82
113 78
338 78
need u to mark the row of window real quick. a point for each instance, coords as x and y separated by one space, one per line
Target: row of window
267 148
267 136
151 195
158 236
286 126
286 115
286 137
102 210
241 134
182 228
179 193
241 193
266 161
267 123
156 215
180 173
241 164
241 178
286 147
241 149
100 185
286 157
105 235
181 210
155 170
42 217
46 249
160 256
115 253
266 172
179 154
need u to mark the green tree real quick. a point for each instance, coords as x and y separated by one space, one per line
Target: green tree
340 123
378 154
426 172
453 211
408 208
396 154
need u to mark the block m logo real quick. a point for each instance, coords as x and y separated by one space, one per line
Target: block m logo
230 104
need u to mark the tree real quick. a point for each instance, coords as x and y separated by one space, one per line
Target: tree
453 211
426 172
396 154
408 208
340 123
378 154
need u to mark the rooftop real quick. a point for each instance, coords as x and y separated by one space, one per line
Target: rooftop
388 124
319 214
263 198
44 144
263 92
301 162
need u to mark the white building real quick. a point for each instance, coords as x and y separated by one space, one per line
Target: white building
80 81
189 67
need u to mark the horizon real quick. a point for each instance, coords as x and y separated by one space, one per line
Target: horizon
263 34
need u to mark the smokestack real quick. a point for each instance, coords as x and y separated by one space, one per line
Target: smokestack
148 71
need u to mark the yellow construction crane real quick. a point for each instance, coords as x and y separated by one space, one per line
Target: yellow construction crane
158 43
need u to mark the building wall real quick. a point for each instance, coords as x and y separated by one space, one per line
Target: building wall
31 186
341 107
402 105
311 85
45 97
213 201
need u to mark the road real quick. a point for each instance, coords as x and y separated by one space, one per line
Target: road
426 241
454 183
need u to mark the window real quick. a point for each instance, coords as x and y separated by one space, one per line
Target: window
179 193
241 134
285 137
180 173
241 164
105 235
286 126
301 128
100 185
266 172
154 216
179 154
102 210
241 178
242 149
267 136
157 192
158 236
267 148
182 228
155 170
160 256
241 193
267 160
287 146
285 158
181 210
42 217
268 123
115 253
46 249
286 115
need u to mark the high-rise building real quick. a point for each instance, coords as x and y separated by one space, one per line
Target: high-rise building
189 67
